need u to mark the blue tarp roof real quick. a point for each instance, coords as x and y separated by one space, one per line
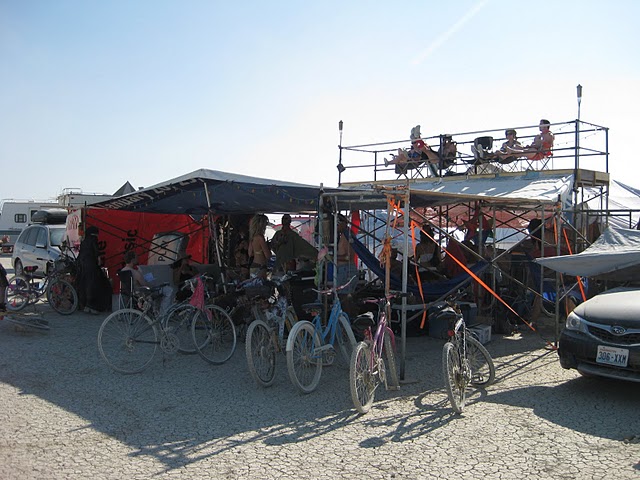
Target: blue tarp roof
226 193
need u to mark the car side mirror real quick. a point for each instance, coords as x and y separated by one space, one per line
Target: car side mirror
40 245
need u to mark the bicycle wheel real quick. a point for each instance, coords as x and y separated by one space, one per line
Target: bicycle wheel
304 365
214 334
127 340
290 319
483 372
178 321
62 297
17 293
454 376
261 353
392 370
362 380
345 338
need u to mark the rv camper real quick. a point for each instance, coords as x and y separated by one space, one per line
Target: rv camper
15 215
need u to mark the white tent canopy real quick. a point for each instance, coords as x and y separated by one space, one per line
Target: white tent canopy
615 254
622 198
524 190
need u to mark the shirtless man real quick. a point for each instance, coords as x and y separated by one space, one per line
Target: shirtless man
505 154
131 265
131 262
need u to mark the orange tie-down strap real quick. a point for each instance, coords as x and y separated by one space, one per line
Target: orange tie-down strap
489 289
582 292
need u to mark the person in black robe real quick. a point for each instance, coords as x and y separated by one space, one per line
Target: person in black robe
93 285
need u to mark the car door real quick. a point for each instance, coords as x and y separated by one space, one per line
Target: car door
26 247
42 250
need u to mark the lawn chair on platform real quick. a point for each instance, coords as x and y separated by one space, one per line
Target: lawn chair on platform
482 150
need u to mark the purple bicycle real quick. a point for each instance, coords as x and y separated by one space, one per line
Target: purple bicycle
367 369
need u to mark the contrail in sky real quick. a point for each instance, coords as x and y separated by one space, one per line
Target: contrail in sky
445 36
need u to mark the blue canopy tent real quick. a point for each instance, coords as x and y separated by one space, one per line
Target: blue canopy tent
430 291
204 191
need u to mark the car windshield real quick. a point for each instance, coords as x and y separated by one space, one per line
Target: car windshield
56 236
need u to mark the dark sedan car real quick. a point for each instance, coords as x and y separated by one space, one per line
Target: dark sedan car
602 336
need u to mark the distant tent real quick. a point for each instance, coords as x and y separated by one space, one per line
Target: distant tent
124 189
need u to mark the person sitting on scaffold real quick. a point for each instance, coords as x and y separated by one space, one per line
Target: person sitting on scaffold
418 153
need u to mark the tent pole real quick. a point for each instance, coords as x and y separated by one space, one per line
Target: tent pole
559 226
214 231
405 271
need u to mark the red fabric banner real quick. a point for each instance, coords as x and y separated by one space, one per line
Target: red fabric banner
120 231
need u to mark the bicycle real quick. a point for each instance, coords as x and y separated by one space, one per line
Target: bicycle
128 338
267 334
367 369
309 344
465 361
26 289
180 320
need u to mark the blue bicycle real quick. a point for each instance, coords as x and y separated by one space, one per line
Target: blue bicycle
310 344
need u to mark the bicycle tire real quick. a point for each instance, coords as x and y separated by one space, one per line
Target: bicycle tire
362 380
483 371
37 323
303 364
127 341
454 376
548 308
214 334
178 321
393 381
17 293
261 353
290 319
345 338
62 296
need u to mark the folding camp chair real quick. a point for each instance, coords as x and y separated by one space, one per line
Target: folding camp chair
126 298
482 148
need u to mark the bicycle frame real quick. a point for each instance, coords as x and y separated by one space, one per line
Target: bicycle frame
328 333
382 329
367 368
33 291
465 361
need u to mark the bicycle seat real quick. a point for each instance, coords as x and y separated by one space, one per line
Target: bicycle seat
313 307
30 269
153 292
364 320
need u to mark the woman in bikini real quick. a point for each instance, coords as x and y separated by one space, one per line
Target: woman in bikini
258 248
541 145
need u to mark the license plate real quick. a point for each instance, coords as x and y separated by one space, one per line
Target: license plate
618 357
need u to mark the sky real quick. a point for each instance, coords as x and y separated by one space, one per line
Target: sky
97 93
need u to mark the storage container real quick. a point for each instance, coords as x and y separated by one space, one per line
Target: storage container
481 332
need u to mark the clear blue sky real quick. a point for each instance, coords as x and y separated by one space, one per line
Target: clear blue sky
96 93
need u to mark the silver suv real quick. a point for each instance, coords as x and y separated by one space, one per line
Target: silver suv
38 245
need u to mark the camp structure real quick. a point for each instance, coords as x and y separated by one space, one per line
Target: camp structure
200 207
502 211
499 216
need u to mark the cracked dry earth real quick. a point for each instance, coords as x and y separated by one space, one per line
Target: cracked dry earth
65 415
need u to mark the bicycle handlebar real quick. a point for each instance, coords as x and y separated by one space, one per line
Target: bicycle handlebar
334 289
